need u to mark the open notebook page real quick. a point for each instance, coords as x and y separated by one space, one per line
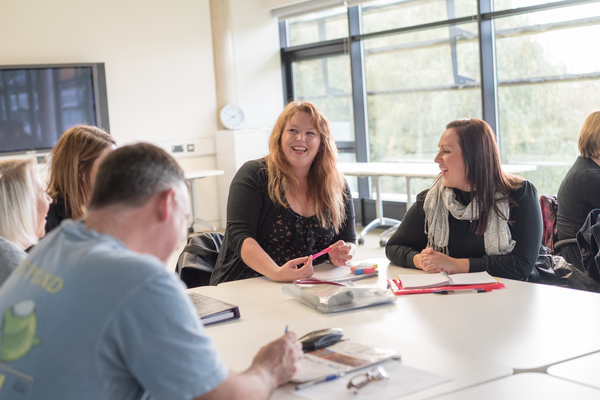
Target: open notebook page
414 281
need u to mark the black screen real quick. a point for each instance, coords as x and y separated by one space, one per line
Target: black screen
38 104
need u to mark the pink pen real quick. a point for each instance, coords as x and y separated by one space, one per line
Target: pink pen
319 254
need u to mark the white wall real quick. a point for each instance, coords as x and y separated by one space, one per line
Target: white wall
159 66
257 60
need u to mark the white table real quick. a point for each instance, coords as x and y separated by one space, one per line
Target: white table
191 177
584 370
376 170
473 337
525 387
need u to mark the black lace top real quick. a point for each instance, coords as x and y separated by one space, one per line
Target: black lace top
282 233
293 236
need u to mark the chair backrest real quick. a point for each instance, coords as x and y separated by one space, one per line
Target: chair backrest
549 206
198 258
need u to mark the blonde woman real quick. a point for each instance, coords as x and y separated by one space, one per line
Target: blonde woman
291 204
579 192
23 208
74 162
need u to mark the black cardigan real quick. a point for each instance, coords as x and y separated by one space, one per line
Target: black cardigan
251 214
525 227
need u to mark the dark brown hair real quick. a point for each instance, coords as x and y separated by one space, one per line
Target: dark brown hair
483 168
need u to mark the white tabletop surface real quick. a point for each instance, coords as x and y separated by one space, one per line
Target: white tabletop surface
473 337
205 173
525 386
415 170
584 370
265 312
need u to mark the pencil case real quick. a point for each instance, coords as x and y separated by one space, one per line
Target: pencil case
331 298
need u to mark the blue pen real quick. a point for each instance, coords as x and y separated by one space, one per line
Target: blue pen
286 328
320 380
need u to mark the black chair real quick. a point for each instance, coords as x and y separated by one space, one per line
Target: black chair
198 258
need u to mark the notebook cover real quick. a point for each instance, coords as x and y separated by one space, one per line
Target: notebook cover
212 311
397 289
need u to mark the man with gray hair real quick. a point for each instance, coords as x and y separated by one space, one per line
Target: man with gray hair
93 313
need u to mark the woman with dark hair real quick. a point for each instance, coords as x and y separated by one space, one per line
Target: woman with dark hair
475 217
289 205
74 162
579 192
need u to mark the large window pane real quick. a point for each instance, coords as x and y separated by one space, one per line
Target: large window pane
326 82
385 14
549 81
416 84
318 27
508 4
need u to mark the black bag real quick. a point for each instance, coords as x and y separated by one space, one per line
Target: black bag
198 258
555 270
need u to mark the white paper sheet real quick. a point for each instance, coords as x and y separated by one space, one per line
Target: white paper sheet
403 380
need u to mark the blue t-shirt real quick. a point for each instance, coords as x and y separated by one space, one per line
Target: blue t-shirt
83 317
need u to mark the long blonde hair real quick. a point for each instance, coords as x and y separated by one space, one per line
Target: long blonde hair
328 184
18 202
71 161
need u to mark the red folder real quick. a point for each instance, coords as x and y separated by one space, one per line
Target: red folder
396 287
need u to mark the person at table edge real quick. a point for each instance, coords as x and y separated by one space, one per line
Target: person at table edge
475 217
579 192
289 205
98 315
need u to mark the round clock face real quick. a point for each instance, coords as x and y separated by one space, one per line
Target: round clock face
231 116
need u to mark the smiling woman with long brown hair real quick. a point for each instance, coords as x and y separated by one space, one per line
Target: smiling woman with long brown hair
289 205
475 217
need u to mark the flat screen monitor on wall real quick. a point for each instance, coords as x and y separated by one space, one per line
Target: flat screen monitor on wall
39 102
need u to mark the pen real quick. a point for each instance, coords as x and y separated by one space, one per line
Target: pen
319 254
448 291
286 329
320 380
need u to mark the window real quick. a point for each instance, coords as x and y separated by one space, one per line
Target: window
417 82
548 82
326 82
384 15
529 67
328 25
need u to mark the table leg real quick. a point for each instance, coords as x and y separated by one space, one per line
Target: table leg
195 219
383 238
380 220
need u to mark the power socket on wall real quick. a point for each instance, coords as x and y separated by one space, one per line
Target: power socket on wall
190 147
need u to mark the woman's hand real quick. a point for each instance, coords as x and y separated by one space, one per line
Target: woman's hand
433 262
341 253
298 268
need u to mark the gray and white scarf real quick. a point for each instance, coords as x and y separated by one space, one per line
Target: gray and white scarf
440 200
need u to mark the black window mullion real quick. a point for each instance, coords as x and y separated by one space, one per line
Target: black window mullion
359 96
487 55
286 64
